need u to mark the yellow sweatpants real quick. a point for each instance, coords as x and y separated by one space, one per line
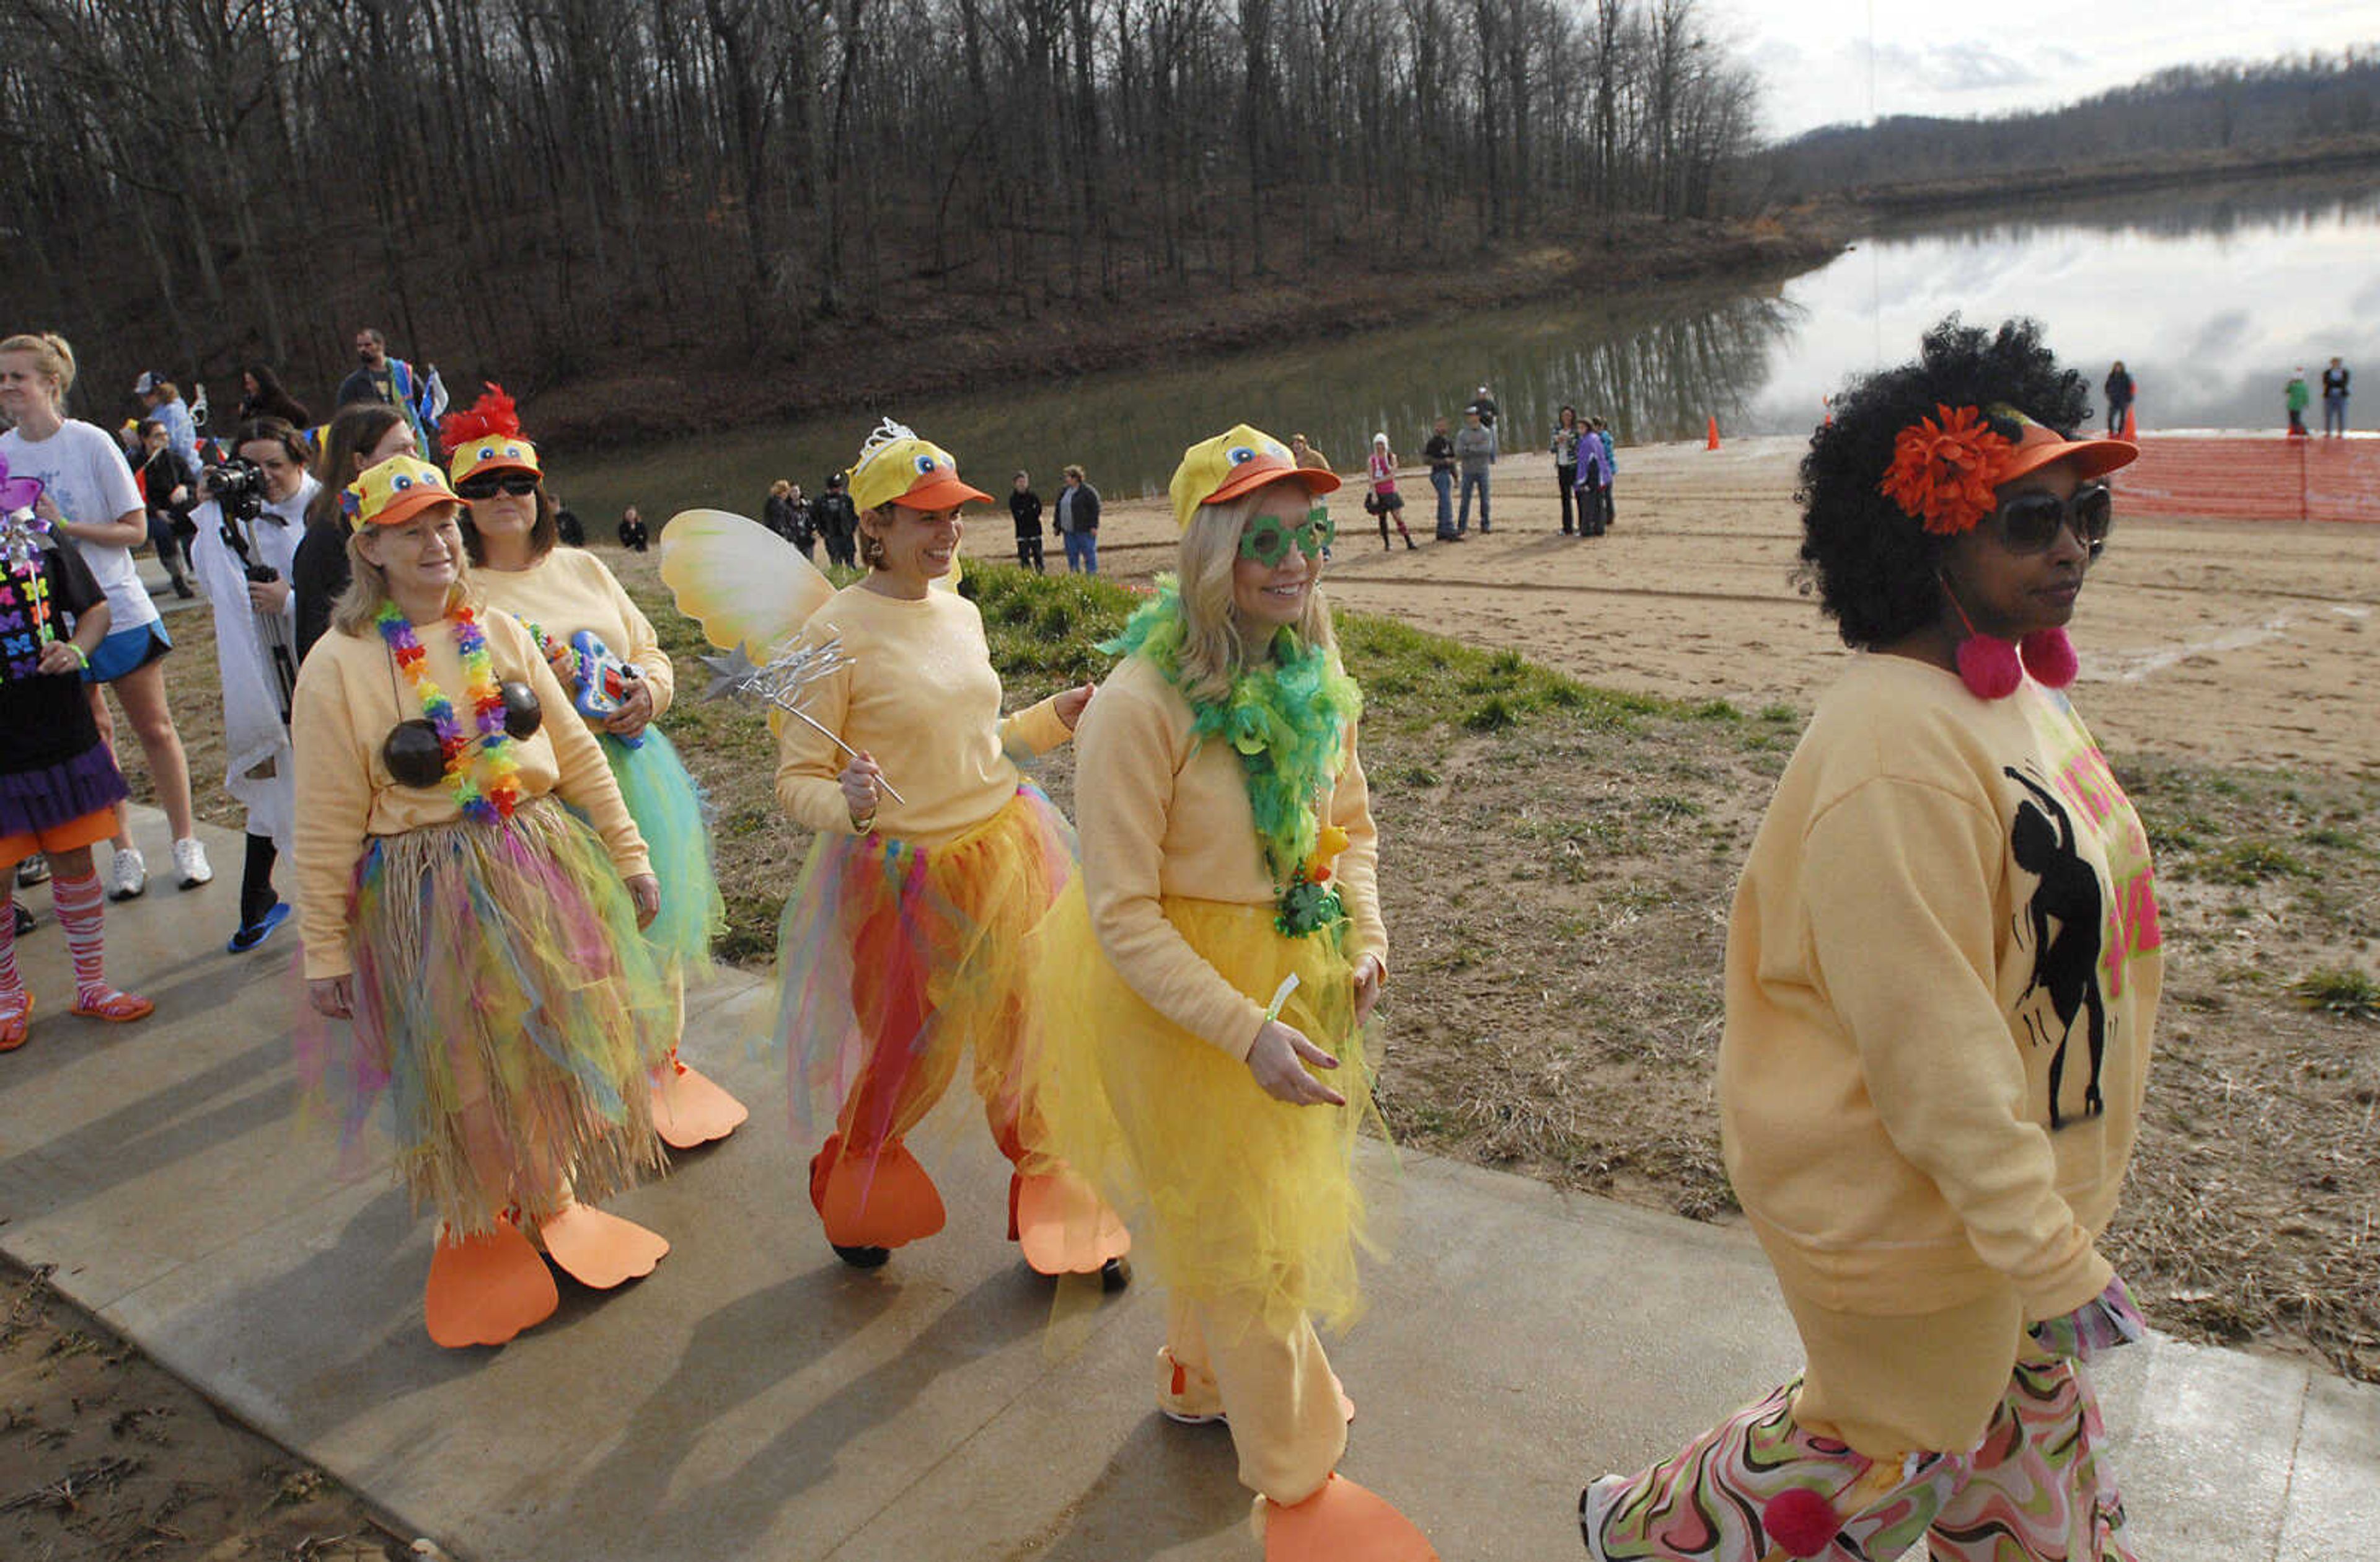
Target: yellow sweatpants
1277 1392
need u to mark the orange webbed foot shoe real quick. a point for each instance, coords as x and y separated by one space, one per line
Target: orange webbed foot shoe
689 1108
1061 1223
484 1289
1343 1522
882 1200
597 1249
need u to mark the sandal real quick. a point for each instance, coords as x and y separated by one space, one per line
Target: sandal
115 1007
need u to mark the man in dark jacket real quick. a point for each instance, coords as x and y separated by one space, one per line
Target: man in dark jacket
1079 523
1024 508
836 521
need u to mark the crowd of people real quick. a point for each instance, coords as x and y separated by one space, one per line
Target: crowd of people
1943 960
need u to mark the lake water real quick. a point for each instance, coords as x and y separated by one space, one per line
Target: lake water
2210 297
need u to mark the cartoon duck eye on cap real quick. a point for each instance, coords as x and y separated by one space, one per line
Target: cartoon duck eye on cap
1237 461
896 467
395 492
486 437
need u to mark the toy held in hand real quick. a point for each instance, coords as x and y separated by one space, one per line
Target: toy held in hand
599 681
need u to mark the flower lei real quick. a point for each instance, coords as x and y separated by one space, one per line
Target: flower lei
1942 475
488 790
1287 720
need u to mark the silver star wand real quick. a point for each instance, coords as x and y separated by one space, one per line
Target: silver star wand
782 682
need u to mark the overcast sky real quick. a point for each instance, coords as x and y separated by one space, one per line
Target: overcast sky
1985 58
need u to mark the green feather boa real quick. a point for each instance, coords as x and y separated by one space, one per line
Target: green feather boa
1287 719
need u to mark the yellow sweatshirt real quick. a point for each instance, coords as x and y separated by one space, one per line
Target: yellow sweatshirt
1160 815
1947 897
570 590
921 699
349 696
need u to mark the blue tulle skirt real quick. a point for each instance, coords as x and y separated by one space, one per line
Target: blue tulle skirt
671 816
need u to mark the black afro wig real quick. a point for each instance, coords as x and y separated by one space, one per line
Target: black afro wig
1874 567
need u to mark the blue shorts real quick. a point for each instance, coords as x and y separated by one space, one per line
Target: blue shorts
126 651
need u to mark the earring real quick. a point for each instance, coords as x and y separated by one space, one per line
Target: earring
1987 664
2049 657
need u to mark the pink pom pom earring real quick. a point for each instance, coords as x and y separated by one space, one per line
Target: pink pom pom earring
1992 668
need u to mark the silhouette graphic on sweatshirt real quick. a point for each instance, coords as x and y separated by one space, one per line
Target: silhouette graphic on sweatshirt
2065 959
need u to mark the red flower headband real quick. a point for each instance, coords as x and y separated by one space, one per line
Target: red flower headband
1942 475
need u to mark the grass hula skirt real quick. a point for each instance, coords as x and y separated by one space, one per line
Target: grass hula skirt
1228 1192
671 814
894 960
500 963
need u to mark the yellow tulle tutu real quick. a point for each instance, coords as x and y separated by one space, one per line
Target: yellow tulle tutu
1228 1192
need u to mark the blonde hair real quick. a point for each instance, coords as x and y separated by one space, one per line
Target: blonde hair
367 587
57 359
780 488
1212 651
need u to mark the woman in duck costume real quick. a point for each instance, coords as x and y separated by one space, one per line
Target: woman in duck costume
907 943
483 940
604 653
1230 879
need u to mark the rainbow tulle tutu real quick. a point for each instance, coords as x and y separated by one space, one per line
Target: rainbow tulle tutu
500 980
1228 1192
896 961
669 813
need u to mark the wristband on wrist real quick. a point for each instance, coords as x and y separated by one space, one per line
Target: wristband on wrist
80 654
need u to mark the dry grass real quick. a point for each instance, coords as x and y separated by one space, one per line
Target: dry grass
1558 862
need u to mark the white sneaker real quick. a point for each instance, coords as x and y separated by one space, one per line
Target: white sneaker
128 876
190 861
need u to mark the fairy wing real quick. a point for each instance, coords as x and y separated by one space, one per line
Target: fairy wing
745 584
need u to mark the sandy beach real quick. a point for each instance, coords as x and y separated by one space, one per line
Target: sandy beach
2232 642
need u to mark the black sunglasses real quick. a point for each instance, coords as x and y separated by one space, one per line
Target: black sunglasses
2029 522
515 484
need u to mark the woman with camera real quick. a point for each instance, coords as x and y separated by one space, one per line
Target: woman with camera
246 549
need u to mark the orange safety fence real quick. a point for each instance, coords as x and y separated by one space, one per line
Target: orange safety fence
2247 478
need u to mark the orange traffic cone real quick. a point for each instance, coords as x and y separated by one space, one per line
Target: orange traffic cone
2132 426
1711 443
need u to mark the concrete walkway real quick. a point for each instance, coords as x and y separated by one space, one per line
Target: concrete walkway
754 1399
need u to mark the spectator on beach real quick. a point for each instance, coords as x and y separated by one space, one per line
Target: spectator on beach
836 521
1079 523
1474 447
1438 451
2119 397
1384 501
359 436
1307 455
2294 397
1485 404
1602 427
2333 399
261 396
1566 433
633 535
777 509
1024 510
168 488
163 400
1592 476
391 381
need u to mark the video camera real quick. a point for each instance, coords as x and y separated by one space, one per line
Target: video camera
236 485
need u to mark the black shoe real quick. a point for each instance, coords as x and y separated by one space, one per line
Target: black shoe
24 921
1115 1274
863 1258
182 589
1411 544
